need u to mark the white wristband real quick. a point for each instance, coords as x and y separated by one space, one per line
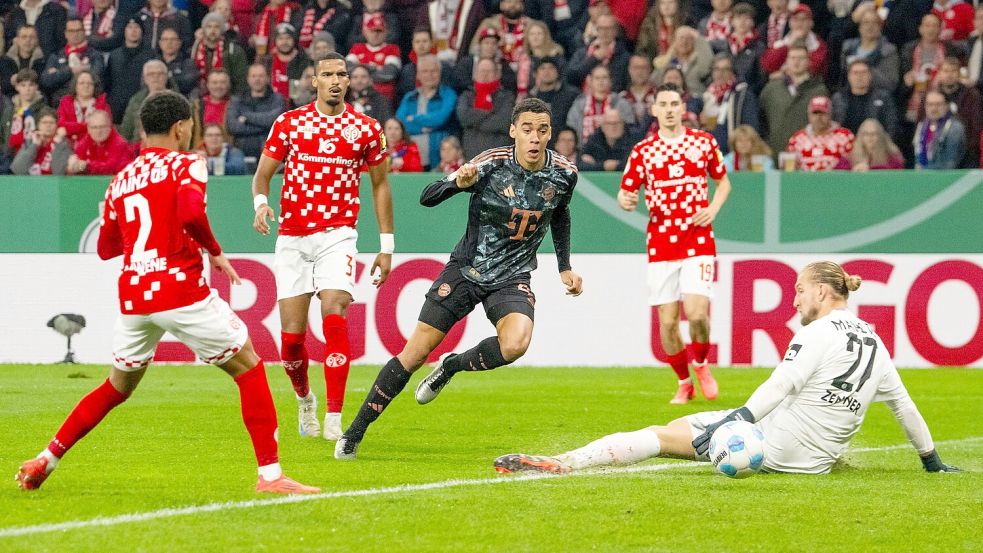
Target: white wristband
387 243
258 200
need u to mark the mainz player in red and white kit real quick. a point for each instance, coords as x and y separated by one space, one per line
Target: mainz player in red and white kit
154 215
325 146
672 166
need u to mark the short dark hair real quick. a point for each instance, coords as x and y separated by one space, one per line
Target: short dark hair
330 56
743 8
161 110
26 75
45 111
669 87
530 105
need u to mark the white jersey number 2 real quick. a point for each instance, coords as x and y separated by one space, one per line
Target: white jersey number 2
138 209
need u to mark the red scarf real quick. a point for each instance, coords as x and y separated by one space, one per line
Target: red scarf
278 74
483 95
716 29
273 16
310 27
665 37
776 28
718 91
42 162
201 58
522 76
738 44
445 24
512 37
414 57
79 50
105 27
593 110
214 112
918 96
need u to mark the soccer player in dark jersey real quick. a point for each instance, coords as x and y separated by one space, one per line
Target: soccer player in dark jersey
517 194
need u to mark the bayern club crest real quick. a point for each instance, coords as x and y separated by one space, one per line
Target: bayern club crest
351 133
548 193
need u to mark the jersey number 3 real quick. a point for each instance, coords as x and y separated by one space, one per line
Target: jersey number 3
853 340
138 209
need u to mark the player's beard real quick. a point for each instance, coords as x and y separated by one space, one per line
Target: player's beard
809 316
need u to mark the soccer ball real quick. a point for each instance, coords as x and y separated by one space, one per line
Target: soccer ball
737 449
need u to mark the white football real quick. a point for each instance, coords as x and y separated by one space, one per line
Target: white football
737 449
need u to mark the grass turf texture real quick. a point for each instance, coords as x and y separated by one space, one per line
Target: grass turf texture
180 442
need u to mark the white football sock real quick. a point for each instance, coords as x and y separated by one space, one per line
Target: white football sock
270 472
51 457
623 448
688 380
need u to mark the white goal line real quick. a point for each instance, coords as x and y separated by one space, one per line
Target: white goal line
171 512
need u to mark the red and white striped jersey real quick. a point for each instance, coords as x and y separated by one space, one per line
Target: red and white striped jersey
674 174
162 265
375 58
820 152
324 156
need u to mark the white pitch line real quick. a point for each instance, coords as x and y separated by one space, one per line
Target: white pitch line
391 490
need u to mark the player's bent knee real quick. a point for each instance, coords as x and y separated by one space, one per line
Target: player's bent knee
514 347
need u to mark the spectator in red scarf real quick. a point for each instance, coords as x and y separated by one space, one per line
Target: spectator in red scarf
777 25
659 26
717 25
605 50
287 63
584 116
800 32
85 96
744 47
102 151
210 109
920 63
215 51
381 58
727 103
61 67
510 25
404 154
103 29
539 45
46 151
239 15
275 13
320 16
485 111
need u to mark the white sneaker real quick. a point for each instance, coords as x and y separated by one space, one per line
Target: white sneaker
307 423
429 387
332 426
345 449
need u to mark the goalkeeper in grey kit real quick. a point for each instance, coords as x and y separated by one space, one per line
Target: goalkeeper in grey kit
517 194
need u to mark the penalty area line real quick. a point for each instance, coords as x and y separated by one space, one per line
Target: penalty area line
172 512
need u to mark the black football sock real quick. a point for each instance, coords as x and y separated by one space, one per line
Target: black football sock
486 356
390 382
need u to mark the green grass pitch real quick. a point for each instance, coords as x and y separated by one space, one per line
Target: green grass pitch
179 444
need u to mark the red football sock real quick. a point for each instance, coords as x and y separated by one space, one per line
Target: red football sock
294 356
336 354
86 415
699 351
258 413
680 364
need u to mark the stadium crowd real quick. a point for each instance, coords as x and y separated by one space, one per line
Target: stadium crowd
811 85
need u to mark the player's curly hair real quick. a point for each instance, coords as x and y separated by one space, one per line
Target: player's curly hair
530 105
161 110
832 275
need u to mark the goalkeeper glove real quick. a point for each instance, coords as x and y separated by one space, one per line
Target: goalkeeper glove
702 442
933 463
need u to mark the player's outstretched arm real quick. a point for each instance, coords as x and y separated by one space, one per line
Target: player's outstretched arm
382 198
627 200
706 215
458 181
911 420
261 188
560 228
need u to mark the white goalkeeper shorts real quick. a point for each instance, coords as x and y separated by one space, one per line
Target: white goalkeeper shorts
783 451
210 328
320 261
669 280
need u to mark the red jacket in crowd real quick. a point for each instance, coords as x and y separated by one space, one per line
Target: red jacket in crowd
107 158
68 116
